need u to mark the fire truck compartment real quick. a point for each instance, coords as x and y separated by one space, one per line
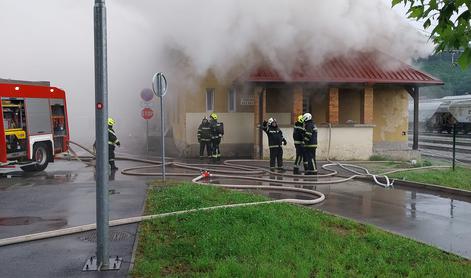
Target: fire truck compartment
38 116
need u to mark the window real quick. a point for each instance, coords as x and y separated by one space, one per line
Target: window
210 99
232 100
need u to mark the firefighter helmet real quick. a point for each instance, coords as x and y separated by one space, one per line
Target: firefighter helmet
214 116
300 118
111 121
307 117
270 121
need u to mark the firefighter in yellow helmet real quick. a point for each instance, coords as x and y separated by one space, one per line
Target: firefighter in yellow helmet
112 143
217 131
298 137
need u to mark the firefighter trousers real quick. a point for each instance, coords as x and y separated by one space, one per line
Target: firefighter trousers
299 158
215 149
310 166
207 145
276 157
111 157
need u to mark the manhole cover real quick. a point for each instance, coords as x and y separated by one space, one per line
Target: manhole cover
114 236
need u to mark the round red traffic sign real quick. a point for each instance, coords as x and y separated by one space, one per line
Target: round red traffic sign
147 113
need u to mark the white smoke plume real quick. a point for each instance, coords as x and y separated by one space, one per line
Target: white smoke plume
53 40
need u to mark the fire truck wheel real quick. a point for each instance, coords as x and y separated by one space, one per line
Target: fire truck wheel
40 155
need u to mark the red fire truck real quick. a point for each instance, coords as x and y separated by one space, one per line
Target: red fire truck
35 126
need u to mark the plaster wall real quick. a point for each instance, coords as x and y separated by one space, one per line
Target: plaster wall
390 117
347 143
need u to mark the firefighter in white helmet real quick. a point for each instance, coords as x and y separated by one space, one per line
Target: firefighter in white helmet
310 145
275 141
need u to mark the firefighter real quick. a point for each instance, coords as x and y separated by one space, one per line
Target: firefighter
204 137
310 145
298 137
112 143
217 131
275 140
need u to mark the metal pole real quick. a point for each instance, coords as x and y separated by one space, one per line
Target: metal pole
454 146
101 128
147 135
162 131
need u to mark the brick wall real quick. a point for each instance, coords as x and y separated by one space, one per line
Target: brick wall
297 103
333 109
367 106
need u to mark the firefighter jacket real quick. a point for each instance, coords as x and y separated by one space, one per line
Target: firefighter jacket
275 136
310 137
217 130
298 133
112 138
204 132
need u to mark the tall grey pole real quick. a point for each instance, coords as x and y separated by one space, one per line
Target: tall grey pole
101 126
162 135
454 145
147 135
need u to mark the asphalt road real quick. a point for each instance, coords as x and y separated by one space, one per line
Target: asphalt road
63 196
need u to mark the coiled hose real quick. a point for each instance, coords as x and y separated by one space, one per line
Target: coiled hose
229 170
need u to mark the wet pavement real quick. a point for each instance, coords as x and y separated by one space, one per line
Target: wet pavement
437 220
60 198
64 196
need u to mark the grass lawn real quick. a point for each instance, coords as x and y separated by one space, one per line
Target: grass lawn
460 178
274 240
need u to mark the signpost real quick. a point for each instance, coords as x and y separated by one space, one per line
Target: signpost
159 86
147 114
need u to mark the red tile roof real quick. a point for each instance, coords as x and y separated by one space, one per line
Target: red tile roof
362 68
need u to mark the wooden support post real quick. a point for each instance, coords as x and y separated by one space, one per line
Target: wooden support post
333 109
259 115
415 140
297 103
414 93
367 106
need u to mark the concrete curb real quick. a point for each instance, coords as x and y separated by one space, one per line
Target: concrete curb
427 186
433 187
136 238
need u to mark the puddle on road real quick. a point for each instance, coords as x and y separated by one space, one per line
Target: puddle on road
28 220
19 221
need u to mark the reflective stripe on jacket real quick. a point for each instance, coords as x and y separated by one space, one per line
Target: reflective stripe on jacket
204 132
310 137
298 133
112 138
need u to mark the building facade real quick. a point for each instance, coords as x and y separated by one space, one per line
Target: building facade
359 107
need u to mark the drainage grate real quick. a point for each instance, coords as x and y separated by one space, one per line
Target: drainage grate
114 236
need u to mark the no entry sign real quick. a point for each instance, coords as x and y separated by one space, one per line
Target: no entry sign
147 94
147 113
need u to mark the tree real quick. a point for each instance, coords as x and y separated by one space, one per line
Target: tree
452 18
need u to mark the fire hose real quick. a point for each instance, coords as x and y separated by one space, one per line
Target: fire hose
229 170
